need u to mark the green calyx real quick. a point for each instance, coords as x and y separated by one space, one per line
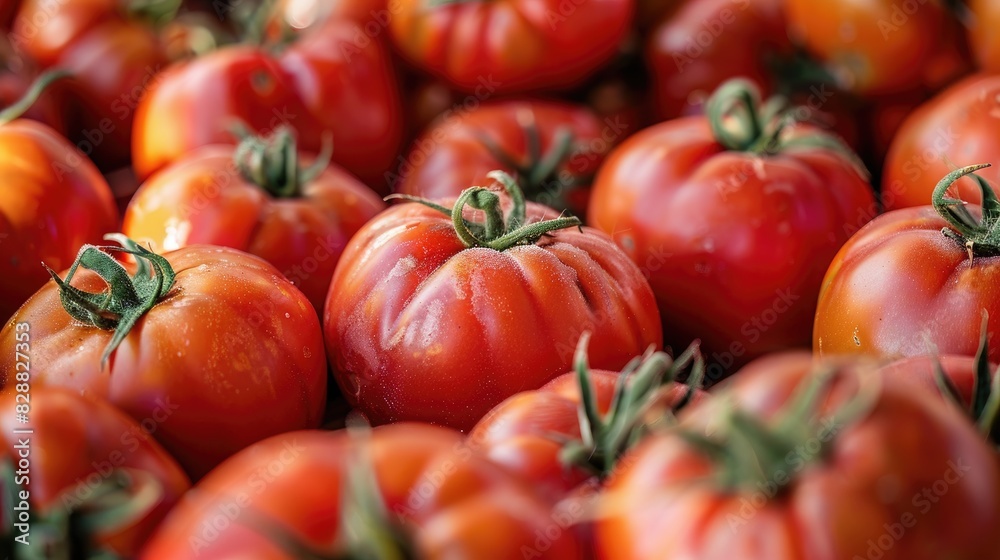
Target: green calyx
272 162
156 12
497 232
69 529
126 299
41 83
981 238
606 437
753 454
985 405
742 122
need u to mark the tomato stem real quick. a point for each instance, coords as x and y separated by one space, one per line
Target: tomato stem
980 237
272 162
984 407
157 12
41 83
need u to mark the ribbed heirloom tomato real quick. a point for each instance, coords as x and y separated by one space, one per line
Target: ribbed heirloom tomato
804 461
514 45
96 481
258 199
733 217
438 314
212 340
400 491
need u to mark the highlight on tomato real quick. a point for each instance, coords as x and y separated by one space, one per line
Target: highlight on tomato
438 311
213 341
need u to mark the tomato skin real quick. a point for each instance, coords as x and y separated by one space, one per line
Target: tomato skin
460 505
512 46
322 82
898 285
301 14
78 440
302 236
520 433
865 41
419 327
233 338
734 245
112 57
56 202
960 370
450 156
837 509
984 42
951 129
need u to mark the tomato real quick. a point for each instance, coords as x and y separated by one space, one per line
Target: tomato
55 202
324 81
951 129
301 14
539 435
733 225
82 461
897 286
866 42
792 463
216 347
418 487
512 46
258 199
985 44
552 148
438 319
113 57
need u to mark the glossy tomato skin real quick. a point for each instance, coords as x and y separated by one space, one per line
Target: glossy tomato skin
864 42
522 432
76 442
55 202
457 505
302 14
983 40
324 81
234 354
512 46
451 155
952 129
419 327
112 57
910 480
204 199
899 285
734 245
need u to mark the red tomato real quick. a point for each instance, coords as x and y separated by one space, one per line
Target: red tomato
552 148
733 227
512 46
984 41
954 128
55 202
538 435
881 46
113 56
257 199
428 496
79 457
222 355
857 469
324 81
428 319
897 287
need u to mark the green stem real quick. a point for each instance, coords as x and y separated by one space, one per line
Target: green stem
40 84
980 237
272 163
157 12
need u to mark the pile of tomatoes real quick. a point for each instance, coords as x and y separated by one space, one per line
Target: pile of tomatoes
500 279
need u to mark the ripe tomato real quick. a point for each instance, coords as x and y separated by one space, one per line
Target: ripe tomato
94 477
256 198
897 286
540 435
55 202
325 80
734 227
951 129
423 494
113 56
552 149
881 46
214 341
510 45
791 463
437 318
